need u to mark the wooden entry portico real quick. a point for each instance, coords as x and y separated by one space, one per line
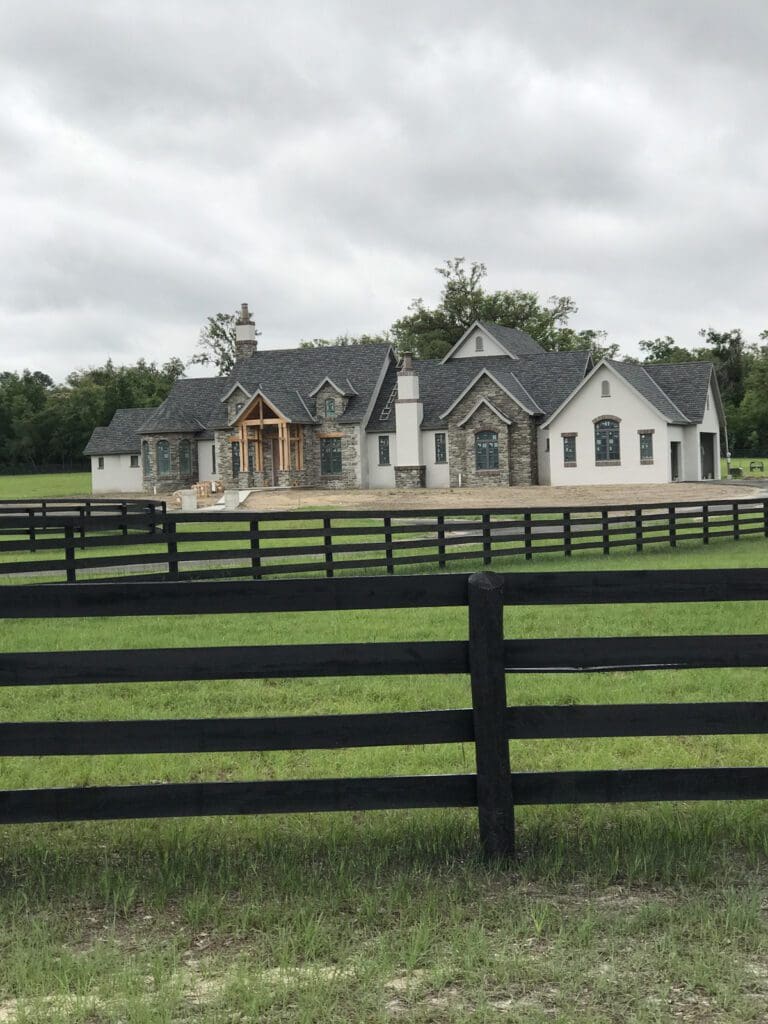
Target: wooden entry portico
267 441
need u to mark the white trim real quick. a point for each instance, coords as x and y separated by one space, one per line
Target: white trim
489 405
472 327
312 418
604 364
487 373
234 387
259 394
351 387
389 358
323 382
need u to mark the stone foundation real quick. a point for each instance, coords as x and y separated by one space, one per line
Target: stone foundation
411 477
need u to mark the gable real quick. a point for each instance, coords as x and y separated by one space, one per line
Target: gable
476 342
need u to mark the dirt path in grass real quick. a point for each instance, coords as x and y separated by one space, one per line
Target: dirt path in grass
490 497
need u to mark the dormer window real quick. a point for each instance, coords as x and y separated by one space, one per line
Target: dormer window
605 389
330 407
479 343
239 408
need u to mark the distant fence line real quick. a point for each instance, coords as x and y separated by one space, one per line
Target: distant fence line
113 540
485 656
34 469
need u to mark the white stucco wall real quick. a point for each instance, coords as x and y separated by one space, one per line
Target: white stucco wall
543 456
468 348
634 415
380 476
205 461
117 474
408 415
437 472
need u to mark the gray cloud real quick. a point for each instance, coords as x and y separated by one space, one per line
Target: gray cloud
160 163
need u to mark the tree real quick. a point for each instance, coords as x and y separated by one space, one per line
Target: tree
666 350
216 343
348 339
732 358
430 333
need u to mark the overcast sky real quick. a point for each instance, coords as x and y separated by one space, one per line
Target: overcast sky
164 161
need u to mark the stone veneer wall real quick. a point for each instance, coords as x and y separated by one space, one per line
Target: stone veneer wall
175 481
518 463
410 476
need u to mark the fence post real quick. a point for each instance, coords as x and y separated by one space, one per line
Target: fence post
606 532
672 526
441 537
567 539
705 523
152 513
124 514
32 534
82 529
495 805
328 546
388 552
69 552
173 562
486 538
736 523
255 542
527 536
638 529
765 517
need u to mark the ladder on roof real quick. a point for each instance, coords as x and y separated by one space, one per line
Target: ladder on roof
387 407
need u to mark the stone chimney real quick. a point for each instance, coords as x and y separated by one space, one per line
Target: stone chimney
245 334
409 411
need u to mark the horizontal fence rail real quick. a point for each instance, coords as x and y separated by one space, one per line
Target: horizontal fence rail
484 657
113 540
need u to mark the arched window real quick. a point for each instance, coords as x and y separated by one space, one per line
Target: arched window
185 458
145 458
607 448
479 343
605 389
487 450
163 458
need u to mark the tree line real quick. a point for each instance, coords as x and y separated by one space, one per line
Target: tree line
42 422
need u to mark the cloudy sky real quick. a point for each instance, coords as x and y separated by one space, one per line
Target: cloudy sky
164 161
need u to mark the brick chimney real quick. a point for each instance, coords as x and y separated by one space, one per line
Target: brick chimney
245 334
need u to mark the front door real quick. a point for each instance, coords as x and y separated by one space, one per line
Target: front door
675 459
707 451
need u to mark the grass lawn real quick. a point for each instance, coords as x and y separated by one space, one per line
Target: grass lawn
649 913
46 485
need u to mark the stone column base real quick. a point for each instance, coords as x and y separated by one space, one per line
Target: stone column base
410 476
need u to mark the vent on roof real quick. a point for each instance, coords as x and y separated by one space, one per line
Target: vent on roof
386 411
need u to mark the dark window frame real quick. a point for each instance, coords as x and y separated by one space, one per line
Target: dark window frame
384 450
330 456
607 441
213 458
100 462
645 438
569 450
185 457
486 451
134 462
163 456
441 448
330 408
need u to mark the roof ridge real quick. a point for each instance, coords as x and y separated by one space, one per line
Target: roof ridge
656 384
527 392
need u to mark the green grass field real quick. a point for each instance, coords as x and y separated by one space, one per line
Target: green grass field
648 913
46 485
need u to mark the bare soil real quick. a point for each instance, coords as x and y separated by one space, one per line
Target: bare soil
487 497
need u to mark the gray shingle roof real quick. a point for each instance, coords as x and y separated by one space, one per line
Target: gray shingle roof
686 384
187 407
645 385
286 376
121 436
516 342
539 383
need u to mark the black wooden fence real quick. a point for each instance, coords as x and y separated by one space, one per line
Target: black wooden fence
485 657
169 546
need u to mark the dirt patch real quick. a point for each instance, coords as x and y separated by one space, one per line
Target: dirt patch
487 497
